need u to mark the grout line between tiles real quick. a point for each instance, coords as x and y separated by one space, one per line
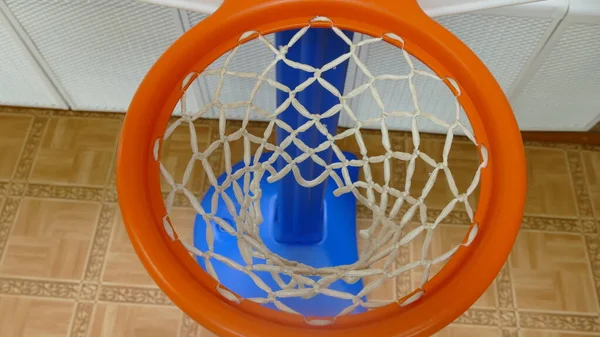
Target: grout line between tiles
45 120
15 215
40 298
82 319
587 185
559 313
22 150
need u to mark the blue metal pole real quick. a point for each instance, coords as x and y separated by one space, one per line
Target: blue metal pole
300 211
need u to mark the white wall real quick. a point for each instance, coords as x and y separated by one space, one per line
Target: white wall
91 55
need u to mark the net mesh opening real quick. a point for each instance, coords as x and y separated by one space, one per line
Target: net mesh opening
397 209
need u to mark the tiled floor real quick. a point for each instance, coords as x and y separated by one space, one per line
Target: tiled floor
67 268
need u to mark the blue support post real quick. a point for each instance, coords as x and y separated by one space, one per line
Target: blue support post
301 214
308 225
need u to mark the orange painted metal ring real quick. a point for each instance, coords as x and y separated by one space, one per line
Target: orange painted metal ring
452 291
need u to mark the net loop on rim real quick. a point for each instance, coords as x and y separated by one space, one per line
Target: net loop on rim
393 208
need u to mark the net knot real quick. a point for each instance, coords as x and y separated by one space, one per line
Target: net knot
281 55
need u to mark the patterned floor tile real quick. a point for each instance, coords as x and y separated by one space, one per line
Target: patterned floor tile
547 173
481 317
202 332
133 295
82 319
560 321
122 264
76 151
8 213
100 243
591 164
593 249
33 317
50 238
582 193
456 330
444 239
31 148
504 288
556 225
120 320
551 271
63 192
188 328
13 134
61 205
39 288
548 333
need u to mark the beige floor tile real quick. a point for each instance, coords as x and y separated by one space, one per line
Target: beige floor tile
551 272
450 331
33 317
76 151
13 134
205 333
120 320
122 263
50 238
463 162
550 189
546 333
445 237
182 220
489 299
468 331
591 164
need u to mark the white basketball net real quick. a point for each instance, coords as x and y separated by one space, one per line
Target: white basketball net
388 231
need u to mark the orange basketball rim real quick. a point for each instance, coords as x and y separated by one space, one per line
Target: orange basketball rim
448 294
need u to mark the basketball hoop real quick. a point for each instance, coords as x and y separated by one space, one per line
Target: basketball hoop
269 255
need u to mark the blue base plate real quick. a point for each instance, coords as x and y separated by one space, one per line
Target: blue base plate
338 247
